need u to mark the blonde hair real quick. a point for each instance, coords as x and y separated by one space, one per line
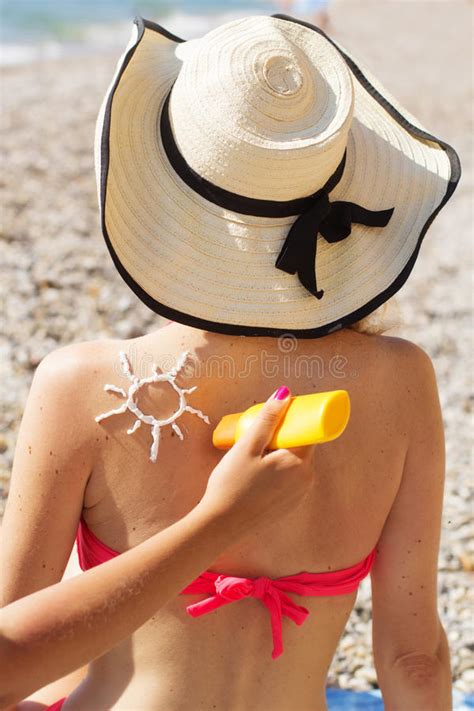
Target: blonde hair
386 317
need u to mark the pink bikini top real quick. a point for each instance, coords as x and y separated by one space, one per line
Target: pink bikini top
224 589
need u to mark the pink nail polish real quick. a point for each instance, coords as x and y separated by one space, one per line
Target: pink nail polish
282 393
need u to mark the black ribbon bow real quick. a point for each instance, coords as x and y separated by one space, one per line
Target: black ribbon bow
317 215
333 221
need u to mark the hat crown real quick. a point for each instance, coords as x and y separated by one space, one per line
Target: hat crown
282 75
262 107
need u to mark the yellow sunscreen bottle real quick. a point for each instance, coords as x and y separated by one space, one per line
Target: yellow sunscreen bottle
309 419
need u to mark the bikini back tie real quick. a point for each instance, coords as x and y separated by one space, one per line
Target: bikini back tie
225 589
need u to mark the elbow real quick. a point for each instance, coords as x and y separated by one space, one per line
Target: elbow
425 681
416 678
424 668
418 669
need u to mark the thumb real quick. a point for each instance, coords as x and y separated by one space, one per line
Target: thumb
259 435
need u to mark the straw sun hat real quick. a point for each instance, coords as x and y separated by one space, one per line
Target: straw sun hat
258 181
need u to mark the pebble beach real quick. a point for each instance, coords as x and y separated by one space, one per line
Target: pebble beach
59 285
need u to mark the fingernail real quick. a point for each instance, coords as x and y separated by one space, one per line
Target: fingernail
282 393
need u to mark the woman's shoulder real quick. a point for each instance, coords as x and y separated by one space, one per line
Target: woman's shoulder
406 370
71 379
73 375
80 349
397 365
79 359
394 348
406 354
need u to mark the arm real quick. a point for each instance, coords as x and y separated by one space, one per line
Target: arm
48 634
52 462
410 648
73 622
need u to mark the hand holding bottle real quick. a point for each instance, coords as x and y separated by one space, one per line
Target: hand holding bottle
252 487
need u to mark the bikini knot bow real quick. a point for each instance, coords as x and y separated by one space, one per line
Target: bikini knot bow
261 586
272 592
331 220
230 589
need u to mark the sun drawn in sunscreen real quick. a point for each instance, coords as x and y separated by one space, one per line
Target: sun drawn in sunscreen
130 403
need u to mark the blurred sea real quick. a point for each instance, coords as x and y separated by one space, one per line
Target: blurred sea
42 29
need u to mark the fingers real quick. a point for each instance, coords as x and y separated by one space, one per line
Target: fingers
292 456
267 421
282 458
287 462
304 453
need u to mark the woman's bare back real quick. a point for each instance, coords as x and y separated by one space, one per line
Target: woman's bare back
223 660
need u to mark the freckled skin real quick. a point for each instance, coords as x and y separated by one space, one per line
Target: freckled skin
358 502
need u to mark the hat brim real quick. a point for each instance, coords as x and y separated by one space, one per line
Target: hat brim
200 264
